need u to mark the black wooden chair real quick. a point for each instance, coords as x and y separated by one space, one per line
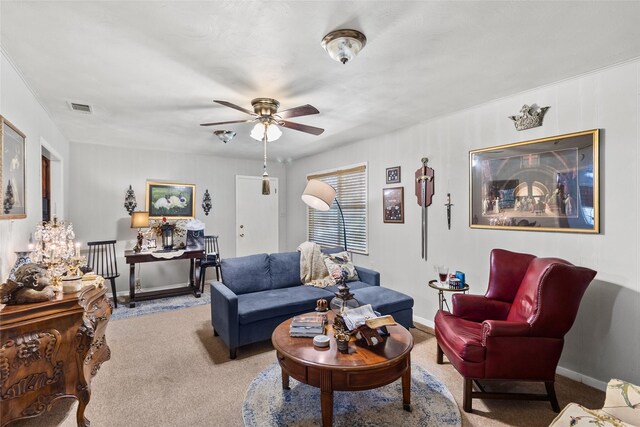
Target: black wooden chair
212 258
102 260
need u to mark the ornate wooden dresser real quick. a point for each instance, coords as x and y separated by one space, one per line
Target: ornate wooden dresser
51 350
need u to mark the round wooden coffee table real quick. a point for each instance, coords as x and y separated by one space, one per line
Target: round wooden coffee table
363 368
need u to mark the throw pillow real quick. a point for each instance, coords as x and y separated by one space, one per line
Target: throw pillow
341 261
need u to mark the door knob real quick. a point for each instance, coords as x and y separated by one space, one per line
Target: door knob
242 226
241 234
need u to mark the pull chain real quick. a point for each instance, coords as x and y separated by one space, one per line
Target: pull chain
266 188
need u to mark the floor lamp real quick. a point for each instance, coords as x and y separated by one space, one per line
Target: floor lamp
320 195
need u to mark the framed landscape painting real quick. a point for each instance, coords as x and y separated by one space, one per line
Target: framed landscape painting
12 172
170 200
547 184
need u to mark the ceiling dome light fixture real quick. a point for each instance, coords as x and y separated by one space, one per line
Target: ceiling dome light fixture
344 45
224 135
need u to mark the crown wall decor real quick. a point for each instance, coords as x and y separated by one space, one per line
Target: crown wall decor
529 117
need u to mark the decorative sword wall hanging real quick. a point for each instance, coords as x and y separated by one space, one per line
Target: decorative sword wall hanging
424 194
448 205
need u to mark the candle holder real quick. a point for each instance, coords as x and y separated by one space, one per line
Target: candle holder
55 250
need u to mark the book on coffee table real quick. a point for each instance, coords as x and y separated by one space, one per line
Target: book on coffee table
307 325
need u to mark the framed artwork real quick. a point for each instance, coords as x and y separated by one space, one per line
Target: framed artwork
170 200
393 205
12 172
547 184
393 175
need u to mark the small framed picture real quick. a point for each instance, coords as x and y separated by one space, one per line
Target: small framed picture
393 205
151 243
393 175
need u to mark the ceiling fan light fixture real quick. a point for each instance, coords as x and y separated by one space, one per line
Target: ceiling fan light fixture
273 132
224 135
344 45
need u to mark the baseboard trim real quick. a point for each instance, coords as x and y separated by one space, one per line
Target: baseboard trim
425 322
581 378
576 376
145 289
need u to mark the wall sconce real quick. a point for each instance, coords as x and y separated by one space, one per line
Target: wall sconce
206 202
130 200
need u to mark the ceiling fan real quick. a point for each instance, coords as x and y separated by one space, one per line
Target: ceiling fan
267 118
265 113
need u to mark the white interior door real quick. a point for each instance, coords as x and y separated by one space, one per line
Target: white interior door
256 216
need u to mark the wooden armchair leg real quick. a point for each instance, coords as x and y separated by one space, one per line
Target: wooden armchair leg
439 355
466 395
551 392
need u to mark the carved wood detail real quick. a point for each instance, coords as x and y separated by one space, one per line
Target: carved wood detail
51 350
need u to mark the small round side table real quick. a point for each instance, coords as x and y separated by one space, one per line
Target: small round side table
442 301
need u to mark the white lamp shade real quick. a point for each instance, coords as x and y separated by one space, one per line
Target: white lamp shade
319 195
273 132
140 219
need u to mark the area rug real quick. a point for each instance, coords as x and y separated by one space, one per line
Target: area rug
161 304
267 404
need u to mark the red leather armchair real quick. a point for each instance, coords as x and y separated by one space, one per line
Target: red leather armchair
516 330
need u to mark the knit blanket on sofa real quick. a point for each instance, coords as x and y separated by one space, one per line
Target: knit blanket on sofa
313 270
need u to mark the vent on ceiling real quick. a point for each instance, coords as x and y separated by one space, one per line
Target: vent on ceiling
81 108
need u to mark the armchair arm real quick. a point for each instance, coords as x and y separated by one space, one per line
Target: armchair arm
502 328
224 313
369 277
479 308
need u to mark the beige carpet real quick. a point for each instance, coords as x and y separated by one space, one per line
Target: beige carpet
167 369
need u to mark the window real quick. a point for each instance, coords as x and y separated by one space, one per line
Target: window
325 228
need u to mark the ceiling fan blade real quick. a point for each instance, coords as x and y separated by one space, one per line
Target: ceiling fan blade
301 127
303 110
235 107
226 123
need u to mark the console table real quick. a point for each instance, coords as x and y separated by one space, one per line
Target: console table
132 258
51 350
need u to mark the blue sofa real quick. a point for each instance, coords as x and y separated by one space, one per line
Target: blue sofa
258 292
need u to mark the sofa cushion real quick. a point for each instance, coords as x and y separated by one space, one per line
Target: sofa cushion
383 300
338 262
263 305
285 269
464 337
246 274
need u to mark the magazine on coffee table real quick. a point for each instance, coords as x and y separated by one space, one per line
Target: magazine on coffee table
364 315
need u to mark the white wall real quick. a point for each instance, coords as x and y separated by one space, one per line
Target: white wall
20 106
100 176
604 342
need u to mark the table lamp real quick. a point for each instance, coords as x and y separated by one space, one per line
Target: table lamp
320 195
139 220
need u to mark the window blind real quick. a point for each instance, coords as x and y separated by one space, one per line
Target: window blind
325 227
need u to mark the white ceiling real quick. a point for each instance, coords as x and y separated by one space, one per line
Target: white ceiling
151 69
